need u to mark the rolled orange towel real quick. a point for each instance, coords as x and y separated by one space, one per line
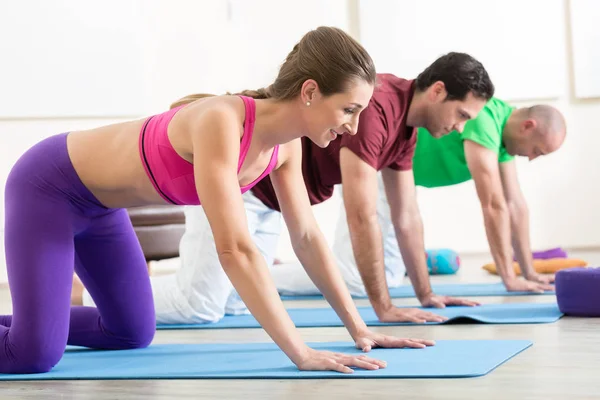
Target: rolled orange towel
549 266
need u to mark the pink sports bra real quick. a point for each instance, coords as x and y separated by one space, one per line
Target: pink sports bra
171 175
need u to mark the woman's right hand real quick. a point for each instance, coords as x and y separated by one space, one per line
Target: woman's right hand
319 360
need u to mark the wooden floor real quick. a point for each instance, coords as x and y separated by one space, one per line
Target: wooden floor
563 363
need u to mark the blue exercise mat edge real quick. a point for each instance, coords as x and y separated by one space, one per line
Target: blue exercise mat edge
464 359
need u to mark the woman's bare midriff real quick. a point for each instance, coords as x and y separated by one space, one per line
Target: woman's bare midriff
108 163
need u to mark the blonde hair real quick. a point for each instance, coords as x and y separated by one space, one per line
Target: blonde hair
328 55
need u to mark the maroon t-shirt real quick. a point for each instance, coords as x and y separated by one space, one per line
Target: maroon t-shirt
383 141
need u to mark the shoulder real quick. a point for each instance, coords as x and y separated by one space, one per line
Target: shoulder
220 110
391 97
490 117
496 110
391 83
219 114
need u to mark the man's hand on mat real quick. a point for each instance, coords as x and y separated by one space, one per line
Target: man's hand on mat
369 340
433 300
522 285
396 314
539 278
316 360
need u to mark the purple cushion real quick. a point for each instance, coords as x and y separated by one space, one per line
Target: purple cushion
578 291
556 252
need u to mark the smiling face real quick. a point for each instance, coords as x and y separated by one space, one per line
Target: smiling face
326 117
444 116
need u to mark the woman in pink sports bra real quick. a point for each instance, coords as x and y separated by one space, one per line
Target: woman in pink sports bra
66 199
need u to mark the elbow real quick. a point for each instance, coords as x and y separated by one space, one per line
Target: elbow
361 219
300 243
236 254
304 239
407 224
494 207
518 209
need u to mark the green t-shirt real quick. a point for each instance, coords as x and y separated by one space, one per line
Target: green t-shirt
441 162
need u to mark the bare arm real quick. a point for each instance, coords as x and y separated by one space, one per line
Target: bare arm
309 243
483 165
216 152
408 225
313 252
406 218
360 200
519 221
519 216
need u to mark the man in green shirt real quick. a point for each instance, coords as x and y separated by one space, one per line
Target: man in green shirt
485 152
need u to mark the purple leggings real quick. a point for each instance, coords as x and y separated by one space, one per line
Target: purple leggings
54 225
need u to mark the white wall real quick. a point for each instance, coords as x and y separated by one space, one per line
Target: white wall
585 38
560 188
185 46
485 30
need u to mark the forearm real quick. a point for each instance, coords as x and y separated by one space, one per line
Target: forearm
367 246
497 226
519 221
250 276
316 257
409 233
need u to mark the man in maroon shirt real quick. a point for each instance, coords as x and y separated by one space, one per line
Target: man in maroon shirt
444 96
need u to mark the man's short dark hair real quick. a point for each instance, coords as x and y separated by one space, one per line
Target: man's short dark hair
461 74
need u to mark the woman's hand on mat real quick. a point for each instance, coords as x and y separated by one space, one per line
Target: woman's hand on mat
539 278
318 360
368 340
396 314
433 300
522 285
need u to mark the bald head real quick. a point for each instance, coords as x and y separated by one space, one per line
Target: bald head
534 131
549 124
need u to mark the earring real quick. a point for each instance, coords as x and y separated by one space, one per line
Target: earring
308 104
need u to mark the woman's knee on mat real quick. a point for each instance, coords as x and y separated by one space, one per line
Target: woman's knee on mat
130 328
31 358
132 336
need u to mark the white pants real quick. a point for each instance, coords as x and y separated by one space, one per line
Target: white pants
291 279
200 291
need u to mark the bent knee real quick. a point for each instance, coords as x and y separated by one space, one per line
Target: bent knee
134 337
143 338
31 361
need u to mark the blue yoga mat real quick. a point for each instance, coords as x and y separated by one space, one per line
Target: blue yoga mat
512 313
453 289
447 359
